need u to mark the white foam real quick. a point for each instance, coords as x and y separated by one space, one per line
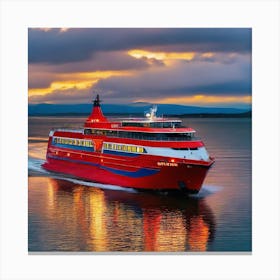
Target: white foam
35 164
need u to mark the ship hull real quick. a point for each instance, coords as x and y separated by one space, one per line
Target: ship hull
186 177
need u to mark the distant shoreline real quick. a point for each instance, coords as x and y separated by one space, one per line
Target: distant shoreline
203 115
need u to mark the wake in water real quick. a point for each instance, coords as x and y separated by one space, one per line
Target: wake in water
35 164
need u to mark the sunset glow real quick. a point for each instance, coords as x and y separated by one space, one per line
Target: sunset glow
200 66
76 81
161 55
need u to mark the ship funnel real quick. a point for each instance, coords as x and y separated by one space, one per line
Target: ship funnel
96 114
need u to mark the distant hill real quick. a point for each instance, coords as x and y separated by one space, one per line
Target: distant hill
131 109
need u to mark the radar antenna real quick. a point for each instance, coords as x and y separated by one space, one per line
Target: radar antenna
152 113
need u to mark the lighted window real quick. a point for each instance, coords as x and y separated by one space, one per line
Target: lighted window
133 149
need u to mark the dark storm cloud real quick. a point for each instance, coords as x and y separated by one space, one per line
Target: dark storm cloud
195 77
56 47
42 74
236 88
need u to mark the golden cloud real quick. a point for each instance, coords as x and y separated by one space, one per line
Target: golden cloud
79 81
162 55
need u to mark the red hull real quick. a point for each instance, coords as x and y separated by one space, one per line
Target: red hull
184 177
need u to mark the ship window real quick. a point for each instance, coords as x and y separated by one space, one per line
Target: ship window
87 131
133 149
133 124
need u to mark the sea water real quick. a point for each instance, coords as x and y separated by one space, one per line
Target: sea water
67 214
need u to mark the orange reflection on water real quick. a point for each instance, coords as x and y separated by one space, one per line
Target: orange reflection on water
198 234
91 219
172 235
51 190
97 228
151 227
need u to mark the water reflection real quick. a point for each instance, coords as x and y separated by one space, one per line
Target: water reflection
91 219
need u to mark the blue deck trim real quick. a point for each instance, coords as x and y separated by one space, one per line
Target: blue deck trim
74 147
120 153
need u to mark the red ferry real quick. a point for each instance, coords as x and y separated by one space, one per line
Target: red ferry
151 153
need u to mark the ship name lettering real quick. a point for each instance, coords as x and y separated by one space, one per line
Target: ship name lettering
172 164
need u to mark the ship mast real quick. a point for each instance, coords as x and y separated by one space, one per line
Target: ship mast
96 101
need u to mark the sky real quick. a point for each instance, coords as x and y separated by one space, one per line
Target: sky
208 67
